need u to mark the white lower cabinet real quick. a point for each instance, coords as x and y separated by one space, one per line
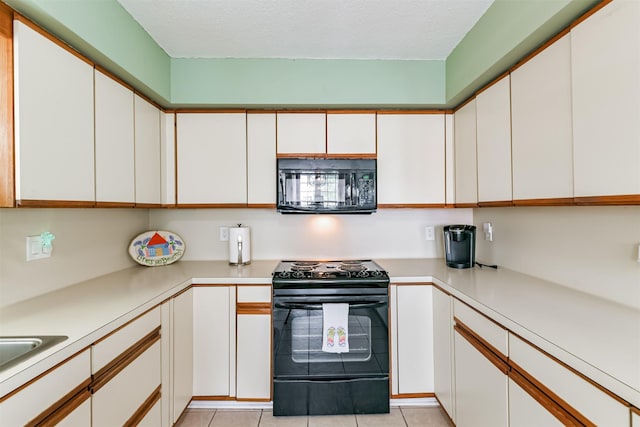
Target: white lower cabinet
411 339
580 399
481 383
214 344
253 370
182 362
40 400
121 398
525 411
443 375
635 418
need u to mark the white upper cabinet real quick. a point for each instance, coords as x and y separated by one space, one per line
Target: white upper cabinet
212 158
115 177
54 141
168 158
541 133
493 137
450 161
261 158
605 65
301 133
147 152
351 133
411 159
466 172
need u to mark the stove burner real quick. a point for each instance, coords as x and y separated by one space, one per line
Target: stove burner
352 268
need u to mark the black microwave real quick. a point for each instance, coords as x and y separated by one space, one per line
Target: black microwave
326 185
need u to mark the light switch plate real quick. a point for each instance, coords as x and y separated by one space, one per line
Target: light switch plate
35 250
224 234
429 233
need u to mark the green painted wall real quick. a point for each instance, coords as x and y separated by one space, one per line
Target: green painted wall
307 83
103 31
508 31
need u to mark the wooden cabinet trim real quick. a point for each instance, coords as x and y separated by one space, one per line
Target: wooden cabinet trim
492 354
7 183
144 409
129 322
571 369
465 205
496 204
412 395
45 373
302 155
210 111
211 205
553 407
540 49
54 204
253 308
63 407
547 398
635 410
411 206
590 12
629 199
261 205
113 368
116 205
382 112
567 201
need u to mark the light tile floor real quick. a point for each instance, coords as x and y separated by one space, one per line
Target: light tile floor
428 416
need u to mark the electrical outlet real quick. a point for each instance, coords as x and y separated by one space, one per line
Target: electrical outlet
429 233
224 234
488 231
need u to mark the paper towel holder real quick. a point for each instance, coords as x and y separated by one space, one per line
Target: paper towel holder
239 245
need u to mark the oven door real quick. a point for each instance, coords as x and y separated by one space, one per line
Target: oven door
310 381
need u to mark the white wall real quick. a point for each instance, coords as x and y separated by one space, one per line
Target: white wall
593 249
388 233
88 243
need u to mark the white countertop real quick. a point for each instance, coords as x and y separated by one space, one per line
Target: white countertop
598 337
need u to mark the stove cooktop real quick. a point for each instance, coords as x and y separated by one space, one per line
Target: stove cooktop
346 273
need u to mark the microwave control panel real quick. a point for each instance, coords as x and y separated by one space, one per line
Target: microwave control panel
366 185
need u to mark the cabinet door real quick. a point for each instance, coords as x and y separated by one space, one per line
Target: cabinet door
261 158
212 158
147 149
585 399
182 362
254 356
214 344
54 141
525 411
493 137
443 351
123 396
351 133
168 157
464 122
541 128
42 394
481 388
450 161
605 65
635 417
115 177
411 159
412 340
301 133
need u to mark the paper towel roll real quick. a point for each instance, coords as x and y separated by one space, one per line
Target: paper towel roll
239 245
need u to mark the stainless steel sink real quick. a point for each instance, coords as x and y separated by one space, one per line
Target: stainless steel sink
14 350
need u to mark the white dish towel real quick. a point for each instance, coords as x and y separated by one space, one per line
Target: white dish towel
335 328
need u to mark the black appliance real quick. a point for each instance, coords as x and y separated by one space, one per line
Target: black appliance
308 380
326 185
460 245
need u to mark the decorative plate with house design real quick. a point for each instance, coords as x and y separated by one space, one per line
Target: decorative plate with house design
154 248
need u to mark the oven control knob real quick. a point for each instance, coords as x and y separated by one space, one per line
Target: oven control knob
363 273
284 275
298 274
376 273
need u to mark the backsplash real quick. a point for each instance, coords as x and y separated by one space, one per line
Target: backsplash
88 243
590 248
388 233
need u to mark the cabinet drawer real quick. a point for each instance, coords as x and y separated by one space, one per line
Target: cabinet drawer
40 395
588 400
489 331
110 347
120 398
254 293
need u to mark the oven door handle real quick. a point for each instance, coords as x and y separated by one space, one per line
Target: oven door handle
303 306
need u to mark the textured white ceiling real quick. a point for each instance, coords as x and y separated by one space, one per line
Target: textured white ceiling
339 29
